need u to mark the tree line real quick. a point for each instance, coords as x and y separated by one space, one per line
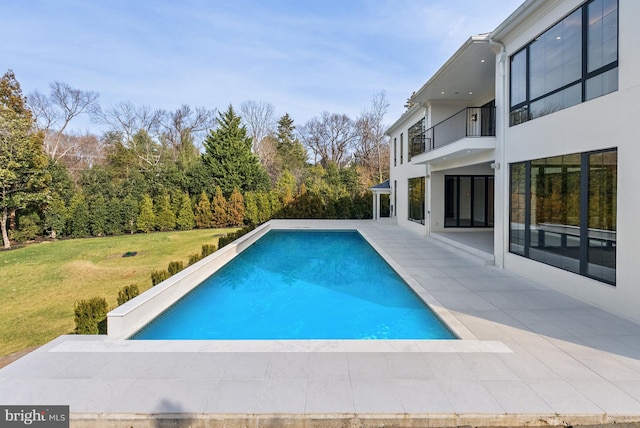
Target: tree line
175 170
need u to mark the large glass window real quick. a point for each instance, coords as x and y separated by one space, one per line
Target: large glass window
518 211
416 139
417 199
468 200
552 72
563 212
603 193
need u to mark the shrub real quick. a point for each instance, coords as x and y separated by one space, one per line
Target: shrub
157 276
227 239
30 226
175 267
208 249
194 258
91 316
127 293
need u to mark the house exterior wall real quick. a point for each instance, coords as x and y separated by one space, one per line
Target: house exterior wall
601 123
598 124
402 172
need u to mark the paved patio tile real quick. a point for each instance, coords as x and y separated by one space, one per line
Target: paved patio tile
564 398
368 365
247 366
328 365
288 365
470 397
282 396
234 396
488 367
329 396
449 367
422 396
609 397
408 366
516 397
376 396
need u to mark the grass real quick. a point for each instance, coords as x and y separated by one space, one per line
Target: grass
40 283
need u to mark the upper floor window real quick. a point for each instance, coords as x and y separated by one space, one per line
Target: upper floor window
573 61
416 139
395 150
401 147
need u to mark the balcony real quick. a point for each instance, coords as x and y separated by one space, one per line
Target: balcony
470 133
468 123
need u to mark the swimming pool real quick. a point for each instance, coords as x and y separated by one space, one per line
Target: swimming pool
300 285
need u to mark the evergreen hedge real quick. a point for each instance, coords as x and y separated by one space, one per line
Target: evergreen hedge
91 316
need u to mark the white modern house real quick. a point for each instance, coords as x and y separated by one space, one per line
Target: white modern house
529 132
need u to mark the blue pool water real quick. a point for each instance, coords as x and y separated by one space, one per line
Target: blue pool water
301 285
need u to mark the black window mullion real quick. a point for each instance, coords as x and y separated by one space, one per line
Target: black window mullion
527 207
585 38
584 213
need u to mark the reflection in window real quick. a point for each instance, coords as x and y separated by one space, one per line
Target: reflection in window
603 34
556 101
563 212
552 72
417 199
555 57
517 215
519 78
603 193
416 139
555 211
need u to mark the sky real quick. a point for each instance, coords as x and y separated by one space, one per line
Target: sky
304 57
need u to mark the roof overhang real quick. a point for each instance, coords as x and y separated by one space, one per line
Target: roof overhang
467 75
468 148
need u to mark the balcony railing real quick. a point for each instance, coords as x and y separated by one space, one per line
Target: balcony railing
469 122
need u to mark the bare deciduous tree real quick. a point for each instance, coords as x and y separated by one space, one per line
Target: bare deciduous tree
184 126
372 151
259 119
331 138
129 119
54 112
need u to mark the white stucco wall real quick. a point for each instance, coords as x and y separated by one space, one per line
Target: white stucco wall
401 173
604 122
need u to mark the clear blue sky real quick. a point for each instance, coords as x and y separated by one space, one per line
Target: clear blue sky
302 56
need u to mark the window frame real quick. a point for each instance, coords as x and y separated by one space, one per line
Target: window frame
522 111
585 210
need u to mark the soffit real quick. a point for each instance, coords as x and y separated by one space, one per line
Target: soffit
467 75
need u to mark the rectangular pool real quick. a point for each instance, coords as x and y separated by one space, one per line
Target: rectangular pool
293 284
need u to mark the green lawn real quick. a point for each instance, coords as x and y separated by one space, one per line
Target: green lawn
40 283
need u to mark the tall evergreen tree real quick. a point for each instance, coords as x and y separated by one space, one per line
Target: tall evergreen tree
236 209
114 223
79 216
229 158
203 214
23 174
55 215
146 219
291 154
219 209
185 219
98 216
130 210
165 216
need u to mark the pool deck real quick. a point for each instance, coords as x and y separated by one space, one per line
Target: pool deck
530 357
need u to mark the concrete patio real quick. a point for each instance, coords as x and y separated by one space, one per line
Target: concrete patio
529 356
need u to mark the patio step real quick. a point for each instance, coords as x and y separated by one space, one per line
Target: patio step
464 250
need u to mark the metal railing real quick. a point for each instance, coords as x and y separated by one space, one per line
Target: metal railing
469 122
